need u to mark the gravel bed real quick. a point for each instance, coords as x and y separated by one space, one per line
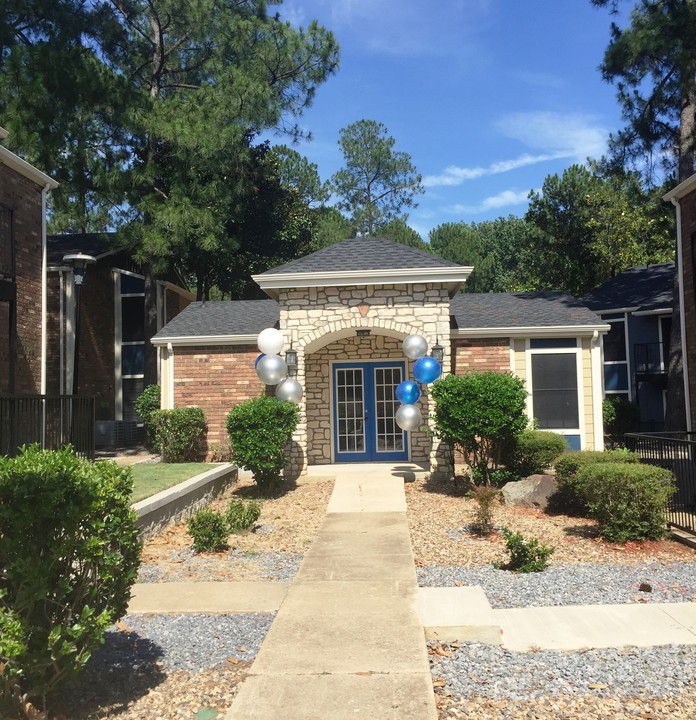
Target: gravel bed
187 565
488 671
581 584
184 642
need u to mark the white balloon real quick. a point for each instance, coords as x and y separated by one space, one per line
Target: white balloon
289 390
272 369
408 417
415 346
271 341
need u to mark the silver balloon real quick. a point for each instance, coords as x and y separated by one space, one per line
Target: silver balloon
289 390
415 346
270 341
408 417
271 369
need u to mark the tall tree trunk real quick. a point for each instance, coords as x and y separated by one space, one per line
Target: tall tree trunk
675 412
150 322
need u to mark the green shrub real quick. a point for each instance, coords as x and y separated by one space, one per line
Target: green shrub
480 413
569 498
241 514
209 530
259 431
628 501
145 404
69 554
526 555
485 497
533 451
621 416
179 433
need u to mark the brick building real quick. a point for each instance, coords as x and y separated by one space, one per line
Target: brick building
345 310
23 191
112 336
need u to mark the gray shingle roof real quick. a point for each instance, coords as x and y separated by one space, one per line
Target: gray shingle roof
361 253
510 310
222 318
646 287
94 244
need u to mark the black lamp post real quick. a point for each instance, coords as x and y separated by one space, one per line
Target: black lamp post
78 262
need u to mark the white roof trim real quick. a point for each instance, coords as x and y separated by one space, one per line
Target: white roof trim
656 311
682 189
453 276
528 332
24 168
188 340
615 311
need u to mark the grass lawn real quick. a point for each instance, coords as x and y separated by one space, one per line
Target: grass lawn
150 478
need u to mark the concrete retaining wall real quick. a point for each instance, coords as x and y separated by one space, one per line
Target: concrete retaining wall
183 499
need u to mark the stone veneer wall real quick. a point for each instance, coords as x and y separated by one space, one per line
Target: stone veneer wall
312 318
318 394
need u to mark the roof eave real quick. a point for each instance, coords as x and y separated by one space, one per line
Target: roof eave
24 168
190 340
684 188
453 277
530 331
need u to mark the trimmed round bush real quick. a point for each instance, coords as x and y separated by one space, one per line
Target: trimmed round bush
242 514
208 530
145 404
569 498
259 431
69 554
533 452
628 501
179 433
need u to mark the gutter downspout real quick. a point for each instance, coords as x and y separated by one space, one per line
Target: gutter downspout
44 288
682 319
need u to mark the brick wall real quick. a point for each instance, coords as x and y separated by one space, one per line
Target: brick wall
215 378
24 197
481 354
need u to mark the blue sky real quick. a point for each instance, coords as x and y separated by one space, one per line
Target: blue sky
487 96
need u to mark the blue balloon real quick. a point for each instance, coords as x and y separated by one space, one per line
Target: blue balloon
408 392
256 362
426 370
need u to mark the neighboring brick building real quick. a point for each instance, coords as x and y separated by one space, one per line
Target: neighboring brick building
345 310
23 191
112 337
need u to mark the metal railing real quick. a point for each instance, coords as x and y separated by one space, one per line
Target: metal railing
675 452
51 421
649 358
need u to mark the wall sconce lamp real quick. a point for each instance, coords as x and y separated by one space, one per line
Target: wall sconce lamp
291 361
438 352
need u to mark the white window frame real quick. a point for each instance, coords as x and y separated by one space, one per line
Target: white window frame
627 362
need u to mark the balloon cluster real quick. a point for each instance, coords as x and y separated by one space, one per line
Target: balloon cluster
272 369
426 370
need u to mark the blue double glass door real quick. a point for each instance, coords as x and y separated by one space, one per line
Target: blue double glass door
364 403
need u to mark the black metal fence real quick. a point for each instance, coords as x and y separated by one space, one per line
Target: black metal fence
51 421
677 453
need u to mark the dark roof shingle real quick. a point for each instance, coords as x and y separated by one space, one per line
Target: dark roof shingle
221 318
647 287
510 310
362 253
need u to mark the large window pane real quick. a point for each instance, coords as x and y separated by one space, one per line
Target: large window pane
132 319
615 342
616 377
133 359
555 390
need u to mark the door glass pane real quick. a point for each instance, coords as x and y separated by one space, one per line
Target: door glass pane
390 437
350 410
555 391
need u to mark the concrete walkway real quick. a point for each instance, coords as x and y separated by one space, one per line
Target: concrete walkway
347 641
348 637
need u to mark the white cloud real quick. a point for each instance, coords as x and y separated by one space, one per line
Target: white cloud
454 175
506 198
572 135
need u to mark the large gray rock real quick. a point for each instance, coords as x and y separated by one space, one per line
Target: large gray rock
532 492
